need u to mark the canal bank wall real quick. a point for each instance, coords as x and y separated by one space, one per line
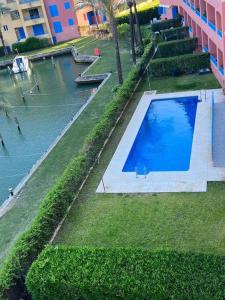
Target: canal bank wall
11 200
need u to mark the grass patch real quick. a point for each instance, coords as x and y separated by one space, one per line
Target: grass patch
23 212
168 221
141 7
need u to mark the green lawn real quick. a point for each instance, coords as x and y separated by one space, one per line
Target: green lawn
21 215
79 44
181 221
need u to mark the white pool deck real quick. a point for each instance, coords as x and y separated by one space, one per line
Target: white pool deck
201 165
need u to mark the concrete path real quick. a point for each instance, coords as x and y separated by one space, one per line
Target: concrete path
219 135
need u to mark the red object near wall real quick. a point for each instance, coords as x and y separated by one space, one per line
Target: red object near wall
97 52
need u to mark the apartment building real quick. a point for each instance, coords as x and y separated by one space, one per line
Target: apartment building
86 15
52 19
23 19
62 19
206 20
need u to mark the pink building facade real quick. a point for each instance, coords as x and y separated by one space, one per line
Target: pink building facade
62 19
206 20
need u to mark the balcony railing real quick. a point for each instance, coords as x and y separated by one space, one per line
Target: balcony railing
35 17
27 1
212 26
213 59
221 70
205 49
220 34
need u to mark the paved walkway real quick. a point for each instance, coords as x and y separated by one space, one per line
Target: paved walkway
219 135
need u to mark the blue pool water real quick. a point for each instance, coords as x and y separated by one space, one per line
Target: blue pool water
164 140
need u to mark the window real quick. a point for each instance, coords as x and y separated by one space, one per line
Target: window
20 33
66 5
38 29
34 13
57 27
15 15
53 9
70 22
5 27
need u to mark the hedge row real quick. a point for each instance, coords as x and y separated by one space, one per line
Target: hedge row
175 33
30 44
145 16
177 47
178 65
55 204
121 273
167 24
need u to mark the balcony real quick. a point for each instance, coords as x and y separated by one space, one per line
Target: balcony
220 33
204 19
221 70
212 26
205 49
29 3
213 59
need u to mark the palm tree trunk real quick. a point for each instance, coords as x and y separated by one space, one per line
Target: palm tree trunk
96 17
138 26
117 49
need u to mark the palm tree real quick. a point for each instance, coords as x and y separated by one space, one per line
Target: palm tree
110 10
3 10
113 23
139 35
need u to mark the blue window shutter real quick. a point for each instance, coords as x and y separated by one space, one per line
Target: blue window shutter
38 29
57 27
53 9
66 5
70 22
21 33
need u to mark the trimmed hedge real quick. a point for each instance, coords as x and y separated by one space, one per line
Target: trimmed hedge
121 273
167 24
55 204
178 65
2 51
30 44
175 33
145 16
177 47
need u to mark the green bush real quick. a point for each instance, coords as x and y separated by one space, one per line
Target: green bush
177 47
175 33
30 44
121 273
55 204
145 16
178 65
2 51
123 30
167 24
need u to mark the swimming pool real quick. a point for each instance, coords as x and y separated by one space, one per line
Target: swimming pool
164 140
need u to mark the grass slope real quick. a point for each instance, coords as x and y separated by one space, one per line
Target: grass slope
21 215
177 221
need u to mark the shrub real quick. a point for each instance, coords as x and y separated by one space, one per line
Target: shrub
55 204
175 33
2 51
121 273
177 47
177 65
145 16
123 30
167 24
30 44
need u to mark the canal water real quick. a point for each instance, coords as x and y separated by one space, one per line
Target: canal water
41 116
